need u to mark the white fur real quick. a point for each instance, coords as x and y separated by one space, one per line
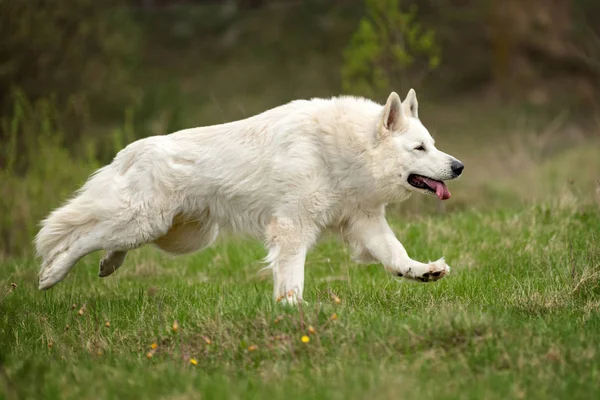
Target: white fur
283 175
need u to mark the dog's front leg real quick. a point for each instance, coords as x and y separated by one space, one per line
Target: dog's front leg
372 234
288 241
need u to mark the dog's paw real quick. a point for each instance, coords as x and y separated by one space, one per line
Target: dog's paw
111 262
427 272
436 270
290 299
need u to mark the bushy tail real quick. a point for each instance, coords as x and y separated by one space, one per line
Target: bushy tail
65 234
76 217
61 228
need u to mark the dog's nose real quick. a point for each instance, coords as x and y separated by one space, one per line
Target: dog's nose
457 167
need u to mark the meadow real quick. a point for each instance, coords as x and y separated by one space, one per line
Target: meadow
518 317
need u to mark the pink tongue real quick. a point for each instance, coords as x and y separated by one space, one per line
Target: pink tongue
441 190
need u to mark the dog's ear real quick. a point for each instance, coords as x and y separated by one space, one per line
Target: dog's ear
393 113
411 105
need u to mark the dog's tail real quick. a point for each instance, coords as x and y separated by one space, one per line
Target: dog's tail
61 228
79 226
66 224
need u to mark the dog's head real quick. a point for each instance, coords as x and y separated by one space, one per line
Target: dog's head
409 159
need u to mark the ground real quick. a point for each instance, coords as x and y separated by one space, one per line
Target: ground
517 318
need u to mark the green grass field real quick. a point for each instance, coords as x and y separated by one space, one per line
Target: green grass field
519 317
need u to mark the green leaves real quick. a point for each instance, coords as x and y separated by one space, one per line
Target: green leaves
389 45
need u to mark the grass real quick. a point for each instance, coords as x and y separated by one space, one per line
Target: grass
519 317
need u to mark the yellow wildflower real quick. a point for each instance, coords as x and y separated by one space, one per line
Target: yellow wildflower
305 339
153 346
193 361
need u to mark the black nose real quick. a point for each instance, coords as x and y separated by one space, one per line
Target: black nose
457 167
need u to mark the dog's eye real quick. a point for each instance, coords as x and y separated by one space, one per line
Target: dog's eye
420 148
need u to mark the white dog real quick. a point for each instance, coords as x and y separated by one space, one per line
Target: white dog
283 175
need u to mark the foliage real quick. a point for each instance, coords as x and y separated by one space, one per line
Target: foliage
38 171
70 48
40 166
389 44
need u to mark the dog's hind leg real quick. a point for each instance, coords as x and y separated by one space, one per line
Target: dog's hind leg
109 235
183 237
61 243
111 262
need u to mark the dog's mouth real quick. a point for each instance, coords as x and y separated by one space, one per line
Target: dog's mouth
430 185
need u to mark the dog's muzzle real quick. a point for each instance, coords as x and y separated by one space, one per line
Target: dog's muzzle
457 168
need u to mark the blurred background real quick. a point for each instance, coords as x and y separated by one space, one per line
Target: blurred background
510 87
